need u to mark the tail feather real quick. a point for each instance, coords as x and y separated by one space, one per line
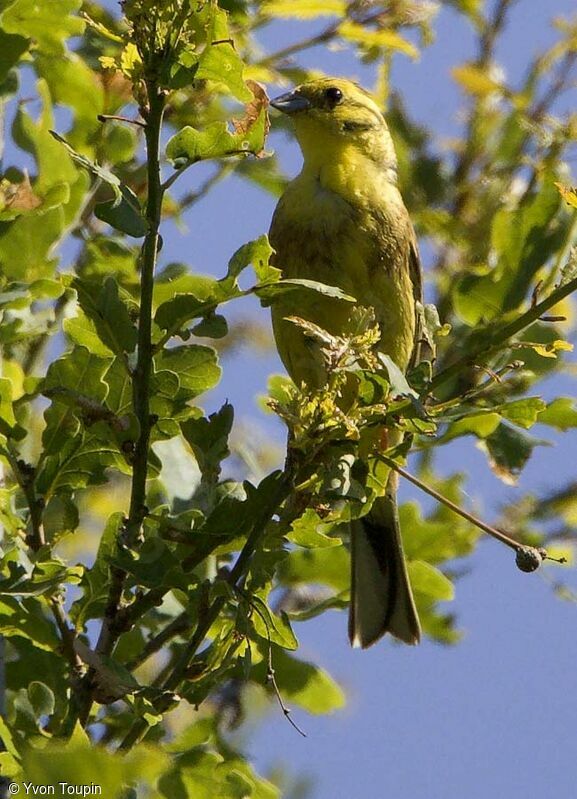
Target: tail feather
381 597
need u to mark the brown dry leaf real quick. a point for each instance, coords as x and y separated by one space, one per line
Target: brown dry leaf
18 196
253 110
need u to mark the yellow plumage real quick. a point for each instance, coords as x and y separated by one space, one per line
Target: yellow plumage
342 221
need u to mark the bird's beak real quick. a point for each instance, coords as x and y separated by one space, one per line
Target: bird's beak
291 103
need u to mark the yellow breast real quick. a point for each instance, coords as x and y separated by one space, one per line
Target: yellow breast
333 226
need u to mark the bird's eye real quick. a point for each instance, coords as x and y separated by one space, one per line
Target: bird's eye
333 95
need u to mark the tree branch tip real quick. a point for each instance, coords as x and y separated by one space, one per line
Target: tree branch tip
528 559
114 117
562 560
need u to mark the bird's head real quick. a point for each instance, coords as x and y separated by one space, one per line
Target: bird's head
332 115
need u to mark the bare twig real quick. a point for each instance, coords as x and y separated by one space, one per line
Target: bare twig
107 117
270 673
528 558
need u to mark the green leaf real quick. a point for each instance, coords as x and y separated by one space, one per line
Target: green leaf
257 253
205 775
303 683
196 367
74 84
25 618
175 280
111 317
212 326
270 626
219 60
8 740
430 583
60 517
524 412
309 531
561 413
477 424
78 371
398 381
44 578
41 698
328 566
8 424
55 165
199 301
441 536
49 24
509 449
154 565
11 522
94 583
270 291
209 438
523 240
11 48
82 331
100 172
123 213
79 763
81 462
475 80
383 38
27 243
215 141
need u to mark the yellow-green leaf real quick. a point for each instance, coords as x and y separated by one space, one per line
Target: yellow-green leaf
550 349
475 81
568 193
385 38
304 9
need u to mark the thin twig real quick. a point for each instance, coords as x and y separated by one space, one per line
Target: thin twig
224 168
178 625
108 117
67 634
510 542
176 174
270 673
493 342
526 556
326 35
25 479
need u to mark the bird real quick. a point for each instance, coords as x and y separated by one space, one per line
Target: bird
342 221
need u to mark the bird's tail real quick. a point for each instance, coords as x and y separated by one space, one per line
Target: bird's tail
381 597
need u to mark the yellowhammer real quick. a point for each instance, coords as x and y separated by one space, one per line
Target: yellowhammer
343 222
